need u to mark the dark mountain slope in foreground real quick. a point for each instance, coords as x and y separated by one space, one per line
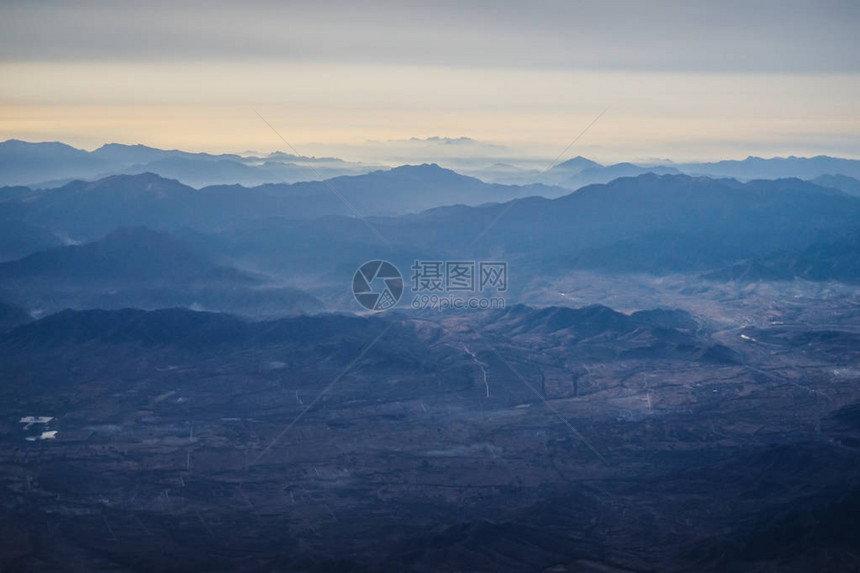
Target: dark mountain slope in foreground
194 441
196 331
12 316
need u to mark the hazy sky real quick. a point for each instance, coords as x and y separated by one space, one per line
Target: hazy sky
682 80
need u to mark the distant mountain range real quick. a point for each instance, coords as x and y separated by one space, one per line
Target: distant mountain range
52 164
571 174
651 223
775 167
580 171
306 233
663 223
87 210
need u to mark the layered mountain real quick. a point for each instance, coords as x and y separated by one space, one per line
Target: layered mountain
776 167
571 174
47 164
127 254
651 223
138 267
586 174
405 189
655 224
580 171
846 184
91 209
52 163
88 210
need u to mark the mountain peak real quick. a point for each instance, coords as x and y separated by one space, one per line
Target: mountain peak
577 164
420 167
124 180
425 170
109 146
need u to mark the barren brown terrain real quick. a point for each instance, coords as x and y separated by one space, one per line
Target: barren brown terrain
578 439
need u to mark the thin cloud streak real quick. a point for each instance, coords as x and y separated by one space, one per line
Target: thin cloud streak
733 36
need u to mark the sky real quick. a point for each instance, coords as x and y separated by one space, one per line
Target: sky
673 80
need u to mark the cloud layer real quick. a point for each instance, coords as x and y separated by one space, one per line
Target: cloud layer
761 36
685 80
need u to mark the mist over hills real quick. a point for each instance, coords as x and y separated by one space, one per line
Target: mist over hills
656 224
776 167
49 164
19 238
650 223
848 185
138 267
86 210
723 216
580 171
127 254
405 189
577 164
